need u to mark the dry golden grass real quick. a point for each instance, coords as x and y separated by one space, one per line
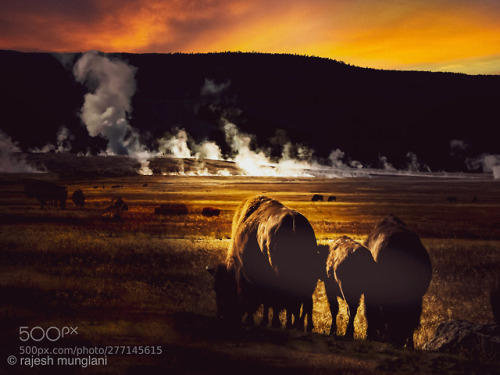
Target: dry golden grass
125 280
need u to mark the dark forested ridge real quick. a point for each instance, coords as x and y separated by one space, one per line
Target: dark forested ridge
321 103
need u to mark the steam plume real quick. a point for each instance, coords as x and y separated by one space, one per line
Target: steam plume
10 160
212 88
414 166
105 110
175 145
488 164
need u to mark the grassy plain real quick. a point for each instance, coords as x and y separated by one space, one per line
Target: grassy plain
142 281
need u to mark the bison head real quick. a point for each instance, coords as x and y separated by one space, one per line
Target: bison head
226 294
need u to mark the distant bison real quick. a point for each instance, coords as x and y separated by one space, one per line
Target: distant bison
171 209
404 274
113 213
210 211
47 193
452 199
117 204
495 299
78 198
272 260
350 272
317 198
332 198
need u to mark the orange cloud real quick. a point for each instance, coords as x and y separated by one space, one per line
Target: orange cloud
403 34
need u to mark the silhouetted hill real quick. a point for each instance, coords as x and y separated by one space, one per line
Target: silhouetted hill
321 103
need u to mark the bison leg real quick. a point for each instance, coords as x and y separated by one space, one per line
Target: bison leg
351 315
289 323
275 323
332 291
306 310
334 310
249 319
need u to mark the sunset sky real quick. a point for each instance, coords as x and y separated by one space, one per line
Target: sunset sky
437 35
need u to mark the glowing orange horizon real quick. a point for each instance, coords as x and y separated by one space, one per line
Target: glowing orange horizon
424 36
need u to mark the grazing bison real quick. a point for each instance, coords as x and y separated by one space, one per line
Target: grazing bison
350 272
272 260
210 211
317 198
47 193
404 274
332 198
78 198
495 299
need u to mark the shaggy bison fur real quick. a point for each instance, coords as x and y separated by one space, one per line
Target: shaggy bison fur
47 193
350 271
404 273
272 260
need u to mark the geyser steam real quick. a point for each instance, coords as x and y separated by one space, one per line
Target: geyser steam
105 110
10 159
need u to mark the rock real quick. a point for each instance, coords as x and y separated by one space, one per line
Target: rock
479 341
210 211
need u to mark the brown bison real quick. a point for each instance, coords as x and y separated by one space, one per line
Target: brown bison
495 299
47 193
317 198
78 198
404 273
272 260
350 272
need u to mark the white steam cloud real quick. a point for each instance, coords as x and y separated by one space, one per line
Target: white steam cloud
457 146
175 145
385 163
488 164
105 110
208 150
10 159
64 139
414 166
180 145
212 88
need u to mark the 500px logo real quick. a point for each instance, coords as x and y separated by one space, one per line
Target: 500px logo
52 333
